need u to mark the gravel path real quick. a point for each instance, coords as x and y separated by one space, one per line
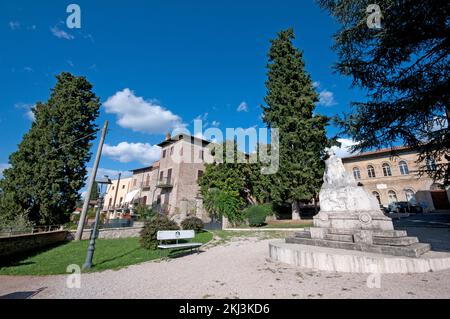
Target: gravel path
237 269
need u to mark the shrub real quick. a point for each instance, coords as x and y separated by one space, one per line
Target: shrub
256 215
221 203
151 228
144 212
192 223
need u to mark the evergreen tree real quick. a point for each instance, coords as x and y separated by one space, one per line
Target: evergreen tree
290 107
49 167
404 66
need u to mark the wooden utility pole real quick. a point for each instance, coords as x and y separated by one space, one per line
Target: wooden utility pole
87 198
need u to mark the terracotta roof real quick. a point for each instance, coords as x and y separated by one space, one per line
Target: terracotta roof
179 137
154 165
380 151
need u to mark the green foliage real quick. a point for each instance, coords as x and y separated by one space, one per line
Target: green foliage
151 228
291 102
20 223
192 223
405 69
95 194
256 215
49 167
144 212
221 203
226 187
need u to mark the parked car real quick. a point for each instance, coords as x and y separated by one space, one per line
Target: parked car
405 207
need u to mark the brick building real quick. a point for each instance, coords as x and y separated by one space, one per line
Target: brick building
170 185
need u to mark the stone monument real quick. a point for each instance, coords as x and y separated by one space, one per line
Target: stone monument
350 218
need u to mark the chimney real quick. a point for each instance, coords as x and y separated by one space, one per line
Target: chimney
167 136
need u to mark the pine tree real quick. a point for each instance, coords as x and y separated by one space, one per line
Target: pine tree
404 67
49 167
290 107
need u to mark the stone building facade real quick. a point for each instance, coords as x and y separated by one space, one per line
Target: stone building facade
393 176
170 185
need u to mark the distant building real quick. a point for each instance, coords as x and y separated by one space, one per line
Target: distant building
395 178
169 186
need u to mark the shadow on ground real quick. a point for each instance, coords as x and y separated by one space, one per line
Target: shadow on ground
22 294
431 228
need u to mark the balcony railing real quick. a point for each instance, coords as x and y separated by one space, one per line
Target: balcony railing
165 182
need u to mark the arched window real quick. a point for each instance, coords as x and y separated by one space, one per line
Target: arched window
356 173
404 170
371 171
377 195
410 196
387 169
392 196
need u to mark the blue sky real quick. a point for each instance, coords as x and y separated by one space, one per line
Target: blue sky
156 64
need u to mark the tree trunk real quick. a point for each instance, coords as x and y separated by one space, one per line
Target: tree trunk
295 210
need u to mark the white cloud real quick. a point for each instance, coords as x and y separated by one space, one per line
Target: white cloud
316 84
215 123
28 69
3 166
126 152
61 34
135 113
14 25
326 98
27 107
343 150
243 107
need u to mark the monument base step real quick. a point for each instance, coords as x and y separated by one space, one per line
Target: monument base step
354 261
412 250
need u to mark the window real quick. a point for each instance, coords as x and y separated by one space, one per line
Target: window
410 196
161 176
121 199
134 182
199 174
431 164
164 154
404 170
181 151
169 175
377 196
123 186
110 203
371 171
392 196
201 154
387 169
113 188
171 150
356 173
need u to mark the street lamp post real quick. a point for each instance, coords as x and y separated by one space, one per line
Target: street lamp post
91 248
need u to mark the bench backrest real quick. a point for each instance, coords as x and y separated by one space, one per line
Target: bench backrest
175 234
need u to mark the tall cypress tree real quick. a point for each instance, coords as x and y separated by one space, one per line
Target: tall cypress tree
49 167
290 107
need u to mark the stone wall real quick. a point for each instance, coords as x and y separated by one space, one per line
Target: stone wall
22 243
109 233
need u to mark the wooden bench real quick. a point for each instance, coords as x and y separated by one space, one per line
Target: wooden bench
176 235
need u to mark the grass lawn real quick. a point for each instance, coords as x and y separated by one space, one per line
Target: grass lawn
281 224
109 254
296 224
